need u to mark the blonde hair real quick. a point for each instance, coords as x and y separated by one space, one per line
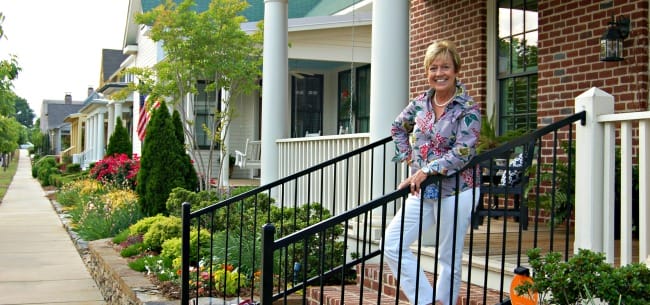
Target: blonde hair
439 49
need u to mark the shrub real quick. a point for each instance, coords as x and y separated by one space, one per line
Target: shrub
116 170
584 276
133 250
73 168
142 226
119 143
44 168
162 168
160 231
171 248
101 219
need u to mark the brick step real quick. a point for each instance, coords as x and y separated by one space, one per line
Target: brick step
389 286
353 294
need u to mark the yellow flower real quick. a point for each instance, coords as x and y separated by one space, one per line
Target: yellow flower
119 198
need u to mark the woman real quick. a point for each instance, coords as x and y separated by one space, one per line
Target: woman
444 123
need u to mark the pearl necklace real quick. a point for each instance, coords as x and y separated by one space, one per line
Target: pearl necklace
435 102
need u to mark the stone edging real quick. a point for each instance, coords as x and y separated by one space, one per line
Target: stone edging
119 284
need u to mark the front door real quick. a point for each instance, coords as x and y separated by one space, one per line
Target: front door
306 105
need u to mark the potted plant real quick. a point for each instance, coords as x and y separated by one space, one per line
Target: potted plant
489 138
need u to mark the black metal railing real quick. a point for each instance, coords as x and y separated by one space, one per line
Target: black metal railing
221 244
508 246
323 226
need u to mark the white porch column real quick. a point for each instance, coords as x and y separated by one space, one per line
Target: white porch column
118 110
111 118
90 137
137 144
275 93
100 135
94 137
389 76
589 203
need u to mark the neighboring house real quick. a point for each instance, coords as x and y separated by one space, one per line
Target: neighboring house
329 56
93 124
53 124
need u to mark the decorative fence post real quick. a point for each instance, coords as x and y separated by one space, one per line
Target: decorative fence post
590 224
268 236
185 250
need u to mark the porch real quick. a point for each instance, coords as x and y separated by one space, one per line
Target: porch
348 187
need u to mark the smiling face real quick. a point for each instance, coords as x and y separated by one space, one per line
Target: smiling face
442 74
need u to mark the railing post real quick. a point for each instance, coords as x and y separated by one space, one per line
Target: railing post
268 236
589 203
185 255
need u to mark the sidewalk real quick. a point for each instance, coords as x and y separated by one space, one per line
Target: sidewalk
39 264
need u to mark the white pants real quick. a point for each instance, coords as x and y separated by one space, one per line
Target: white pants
410 230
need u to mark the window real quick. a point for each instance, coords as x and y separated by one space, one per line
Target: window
517 64
205 106
354 100
306 105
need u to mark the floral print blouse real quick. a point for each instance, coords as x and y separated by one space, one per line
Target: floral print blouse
445 145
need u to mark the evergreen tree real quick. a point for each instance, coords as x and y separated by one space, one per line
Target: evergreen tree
191 179
119 143
160 163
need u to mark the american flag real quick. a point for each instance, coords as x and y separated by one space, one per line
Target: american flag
145 115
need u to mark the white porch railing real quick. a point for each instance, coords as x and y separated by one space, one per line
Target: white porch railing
300 153
84 158
595 177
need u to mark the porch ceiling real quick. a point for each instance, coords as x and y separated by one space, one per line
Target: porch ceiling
313 65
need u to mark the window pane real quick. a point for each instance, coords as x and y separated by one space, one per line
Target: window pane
517 48
344 101
504 56
531 51
505 96
363 99
517 21
307 105
504 18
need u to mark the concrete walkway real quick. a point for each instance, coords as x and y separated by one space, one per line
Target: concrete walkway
39 264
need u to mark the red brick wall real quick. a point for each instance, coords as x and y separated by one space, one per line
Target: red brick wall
464 23
569 55
569 36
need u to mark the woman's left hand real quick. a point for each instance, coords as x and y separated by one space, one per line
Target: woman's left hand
413 182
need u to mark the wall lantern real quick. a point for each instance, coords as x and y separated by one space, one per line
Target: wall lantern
611 43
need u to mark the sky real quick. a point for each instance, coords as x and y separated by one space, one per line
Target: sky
59 44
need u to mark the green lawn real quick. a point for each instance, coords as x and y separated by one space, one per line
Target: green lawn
7 176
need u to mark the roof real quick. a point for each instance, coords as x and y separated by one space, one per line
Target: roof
330 7
111 61
255 12
93 96
56 113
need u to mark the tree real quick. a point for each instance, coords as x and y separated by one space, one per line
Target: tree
24 114
10 131
160 163
189 172
120 142
9 128
205 46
